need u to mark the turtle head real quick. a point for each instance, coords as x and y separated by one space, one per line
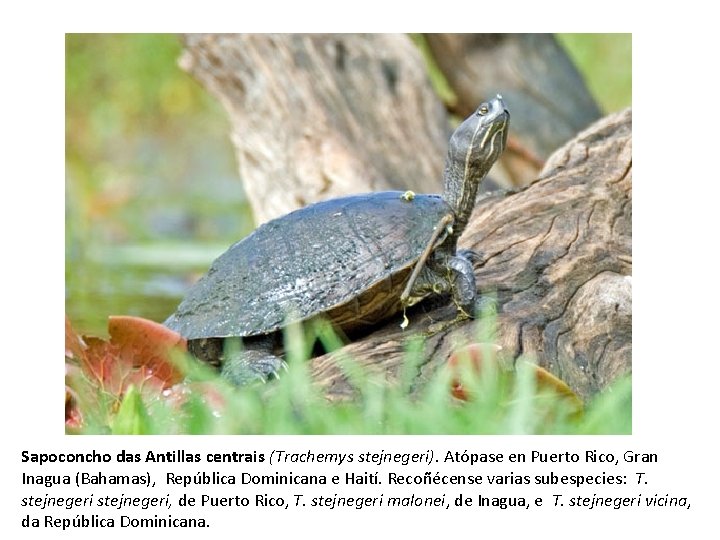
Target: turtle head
474 147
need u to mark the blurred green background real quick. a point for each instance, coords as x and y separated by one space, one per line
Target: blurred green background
152 190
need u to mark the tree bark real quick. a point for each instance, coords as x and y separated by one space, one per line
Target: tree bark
320 116
557 258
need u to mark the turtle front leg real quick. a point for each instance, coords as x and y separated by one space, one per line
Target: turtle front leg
464 290
252 362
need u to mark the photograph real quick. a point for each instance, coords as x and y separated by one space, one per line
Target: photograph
348 234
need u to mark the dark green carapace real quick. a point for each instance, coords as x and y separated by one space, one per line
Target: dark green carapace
313 260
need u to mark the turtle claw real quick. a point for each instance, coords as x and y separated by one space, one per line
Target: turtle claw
465 312
276 372
251 366
441 326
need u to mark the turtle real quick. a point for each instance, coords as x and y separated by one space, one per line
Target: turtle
355 260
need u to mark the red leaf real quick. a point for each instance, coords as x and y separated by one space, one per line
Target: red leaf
139 353
147 344
74 345
546 381
475 356
73 418
102 363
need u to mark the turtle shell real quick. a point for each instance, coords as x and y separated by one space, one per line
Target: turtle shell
347 258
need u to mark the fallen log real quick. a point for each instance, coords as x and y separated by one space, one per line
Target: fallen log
557 258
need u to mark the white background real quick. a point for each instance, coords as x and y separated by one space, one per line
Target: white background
675 276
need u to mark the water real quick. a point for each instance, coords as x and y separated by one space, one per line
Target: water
152 190
140 258
144 280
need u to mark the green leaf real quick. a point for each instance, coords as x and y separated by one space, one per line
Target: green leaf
132 417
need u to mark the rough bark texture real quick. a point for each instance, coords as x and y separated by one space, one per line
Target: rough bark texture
321 116
556 256
545 93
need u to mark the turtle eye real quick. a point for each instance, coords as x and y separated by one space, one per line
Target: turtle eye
483 109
